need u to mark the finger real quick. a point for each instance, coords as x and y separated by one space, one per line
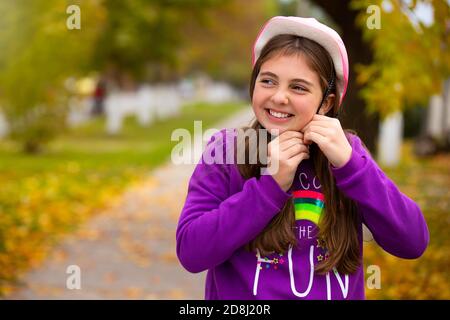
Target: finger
324 131
294 150
311 136
323 118
289 143
300 147
290 134
318 123
295 160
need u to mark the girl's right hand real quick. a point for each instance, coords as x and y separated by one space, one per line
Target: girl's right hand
285 153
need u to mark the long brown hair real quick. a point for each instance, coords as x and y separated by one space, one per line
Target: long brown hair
339 222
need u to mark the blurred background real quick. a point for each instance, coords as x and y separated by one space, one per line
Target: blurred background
91 91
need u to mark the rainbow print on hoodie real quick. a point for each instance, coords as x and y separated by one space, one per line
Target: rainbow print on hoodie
308 205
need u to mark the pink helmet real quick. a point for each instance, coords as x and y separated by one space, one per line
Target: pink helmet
312 29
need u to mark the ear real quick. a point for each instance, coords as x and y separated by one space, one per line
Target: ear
328 104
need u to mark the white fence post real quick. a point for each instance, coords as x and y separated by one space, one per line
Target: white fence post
390 139
4 127
435 119
446 107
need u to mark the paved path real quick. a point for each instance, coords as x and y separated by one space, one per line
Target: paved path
127 251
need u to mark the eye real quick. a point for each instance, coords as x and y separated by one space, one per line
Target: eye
299 88
267 81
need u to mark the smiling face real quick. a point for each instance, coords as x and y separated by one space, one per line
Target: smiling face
287 93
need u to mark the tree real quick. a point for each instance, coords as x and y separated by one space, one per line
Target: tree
355 113
394 67
141 37
411 59
38 53
221 45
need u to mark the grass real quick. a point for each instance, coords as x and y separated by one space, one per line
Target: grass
46 195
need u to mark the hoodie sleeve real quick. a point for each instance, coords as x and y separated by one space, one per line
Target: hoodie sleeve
213 223
396 221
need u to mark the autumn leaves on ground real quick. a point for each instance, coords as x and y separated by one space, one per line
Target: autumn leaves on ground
108 200
47 196
427 181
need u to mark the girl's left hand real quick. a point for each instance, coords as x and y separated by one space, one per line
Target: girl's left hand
329 136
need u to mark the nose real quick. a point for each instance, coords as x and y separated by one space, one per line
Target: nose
280 97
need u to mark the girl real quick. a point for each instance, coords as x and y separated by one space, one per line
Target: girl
295 231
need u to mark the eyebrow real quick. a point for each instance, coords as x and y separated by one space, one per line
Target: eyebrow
270 74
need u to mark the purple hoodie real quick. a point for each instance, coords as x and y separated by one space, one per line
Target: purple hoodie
223 212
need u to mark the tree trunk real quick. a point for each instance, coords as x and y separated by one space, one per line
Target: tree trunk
354 115
31 147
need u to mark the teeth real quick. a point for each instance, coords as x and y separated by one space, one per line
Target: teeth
279 114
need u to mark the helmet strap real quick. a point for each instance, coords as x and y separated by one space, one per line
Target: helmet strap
327 92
